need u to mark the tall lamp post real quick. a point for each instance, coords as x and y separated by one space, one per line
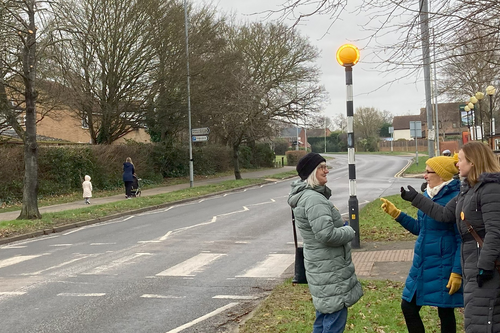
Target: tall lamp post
479 96
490 91
348 56
474 116
467 109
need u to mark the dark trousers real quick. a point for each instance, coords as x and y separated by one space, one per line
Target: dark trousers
128 188
414 322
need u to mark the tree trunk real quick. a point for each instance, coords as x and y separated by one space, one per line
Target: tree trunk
29 208
237 173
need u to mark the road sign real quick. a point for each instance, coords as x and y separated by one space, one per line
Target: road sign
416 129
200 131
199 138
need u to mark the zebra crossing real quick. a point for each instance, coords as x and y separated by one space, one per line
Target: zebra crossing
268 266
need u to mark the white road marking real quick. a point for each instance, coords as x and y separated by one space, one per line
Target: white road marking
235 297
99 244
263 203
202 318
235 212
162 296
191 266
16 260
12 293
196 225
116 263
272 267
57 266
81 294
164 237
61 245
32 240
13 247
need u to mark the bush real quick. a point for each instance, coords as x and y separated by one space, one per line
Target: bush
62 169
280 146
293 156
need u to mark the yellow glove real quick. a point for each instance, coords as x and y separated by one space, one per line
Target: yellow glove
389 208
454 283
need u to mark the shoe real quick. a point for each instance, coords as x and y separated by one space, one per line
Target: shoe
88 202
129 197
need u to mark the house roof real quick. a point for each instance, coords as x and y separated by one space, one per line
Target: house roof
403 122
317 132
290 132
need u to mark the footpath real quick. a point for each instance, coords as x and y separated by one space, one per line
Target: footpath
373 260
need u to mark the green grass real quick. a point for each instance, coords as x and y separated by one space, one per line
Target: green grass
92 212
420 168
289 309
376 225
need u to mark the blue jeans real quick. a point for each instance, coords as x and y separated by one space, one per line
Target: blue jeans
330 322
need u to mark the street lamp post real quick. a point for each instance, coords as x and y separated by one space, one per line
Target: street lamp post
474 117
348 56
467 109
490 91
479 97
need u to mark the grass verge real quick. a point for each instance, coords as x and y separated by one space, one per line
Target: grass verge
289 309
92 212
376 225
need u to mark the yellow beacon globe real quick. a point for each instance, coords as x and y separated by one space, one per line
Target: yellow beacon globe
348 55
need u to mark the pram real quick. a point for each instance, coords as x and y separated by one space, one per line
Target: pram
136 188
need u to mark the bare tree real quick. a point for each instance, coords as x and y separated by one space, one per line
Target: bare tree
105 59
19 28
272 78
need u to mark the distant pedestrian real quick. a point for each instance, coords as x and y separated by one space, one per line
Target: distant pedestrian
87 189
327 250
476 212
128 177
435 277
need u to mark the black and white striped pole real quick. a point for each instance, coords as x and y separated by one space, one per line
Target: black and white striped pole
348 56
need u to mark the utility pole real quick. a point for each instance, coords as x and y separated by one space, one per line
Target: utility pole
424 27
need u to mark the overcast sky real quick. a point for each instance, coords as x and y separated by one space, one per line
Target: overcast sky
405 97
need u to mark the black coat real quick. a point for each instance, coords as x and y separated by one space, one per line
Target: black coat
480 206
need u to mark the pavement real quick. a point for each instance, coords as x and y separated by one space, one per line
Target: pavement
373 260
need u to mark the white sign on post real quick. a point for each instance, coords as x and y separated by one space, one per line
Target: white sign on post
200 131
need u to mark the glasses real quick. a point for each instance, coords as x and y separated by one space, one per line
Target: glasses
323 167
427 171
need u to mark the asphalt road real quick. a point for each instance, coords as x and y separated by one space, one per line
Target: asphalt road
196 267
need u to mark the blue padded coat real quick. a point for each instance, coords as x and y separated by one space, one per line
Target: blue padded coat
436 255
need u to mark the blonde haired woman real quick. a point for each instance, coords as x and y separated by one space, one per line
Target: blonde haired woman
128 177
327 251
475 210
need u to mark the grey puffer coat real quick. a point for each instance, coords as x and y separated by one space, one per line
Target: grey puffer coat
327 251
480 206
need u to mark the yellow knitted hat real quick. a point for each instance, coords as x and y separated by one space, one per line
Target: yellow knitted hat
444 166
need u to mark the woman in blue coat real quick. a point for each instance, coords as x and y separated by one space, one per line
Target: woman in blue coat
128 177
435 278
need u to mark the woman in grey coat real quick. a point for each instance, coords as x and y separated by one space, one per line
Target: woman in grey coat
327 251
477 204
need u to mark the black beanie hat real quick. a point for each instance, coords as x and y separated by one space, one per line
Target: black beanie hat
308 163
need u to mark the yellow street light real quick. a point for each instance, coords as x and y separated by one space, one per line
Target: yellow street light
473 100
471 106
479 95
348 55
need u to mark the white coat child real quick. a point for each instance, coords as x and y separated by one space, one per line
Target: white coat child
87 189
